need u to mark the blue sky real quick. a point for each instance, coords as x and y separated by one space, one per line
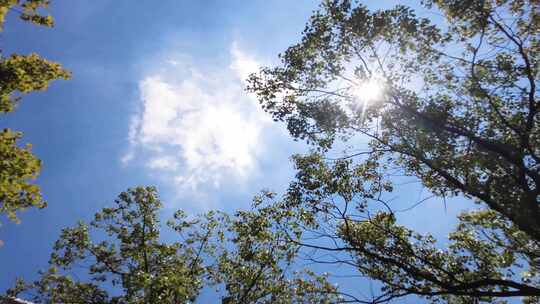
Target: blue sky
156 98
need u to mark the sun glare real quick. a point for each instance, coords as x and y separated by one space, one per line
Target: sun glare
369 91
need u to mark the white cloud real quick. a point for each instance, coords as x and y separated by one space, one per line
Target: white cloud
242 64
163 162
199 128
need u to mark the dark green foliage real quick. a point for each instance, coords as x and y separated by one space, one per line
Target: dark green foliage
458 111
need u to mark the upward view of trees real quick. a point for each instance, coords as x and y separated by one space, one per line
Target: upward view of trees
458 112
242 255
19 75
456 109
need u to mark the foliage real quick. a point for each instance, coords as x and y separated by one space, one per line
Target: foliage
22 74
25 74
256 268
458 112
131 258
240 254
18 165
28 10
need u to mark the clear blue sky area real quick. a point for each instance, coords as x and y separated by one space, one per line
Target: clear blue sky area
155 99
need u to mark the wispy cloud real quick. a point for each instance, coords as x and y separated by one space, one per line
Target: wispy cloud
199 128
242 64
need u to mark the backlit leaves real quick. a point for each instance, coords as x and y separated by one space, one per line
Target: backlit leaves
459 115
19 75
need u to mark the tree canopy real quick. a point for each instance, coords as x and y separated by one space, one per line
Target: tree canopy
449 101
458 111
19 75
125 259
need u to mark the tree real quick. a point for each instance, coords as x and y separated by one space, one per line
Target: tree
120 258
457 110
28 10
257 264
132 258
21 75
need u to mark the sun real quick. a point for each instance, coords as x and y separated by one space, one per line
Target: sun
369 91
